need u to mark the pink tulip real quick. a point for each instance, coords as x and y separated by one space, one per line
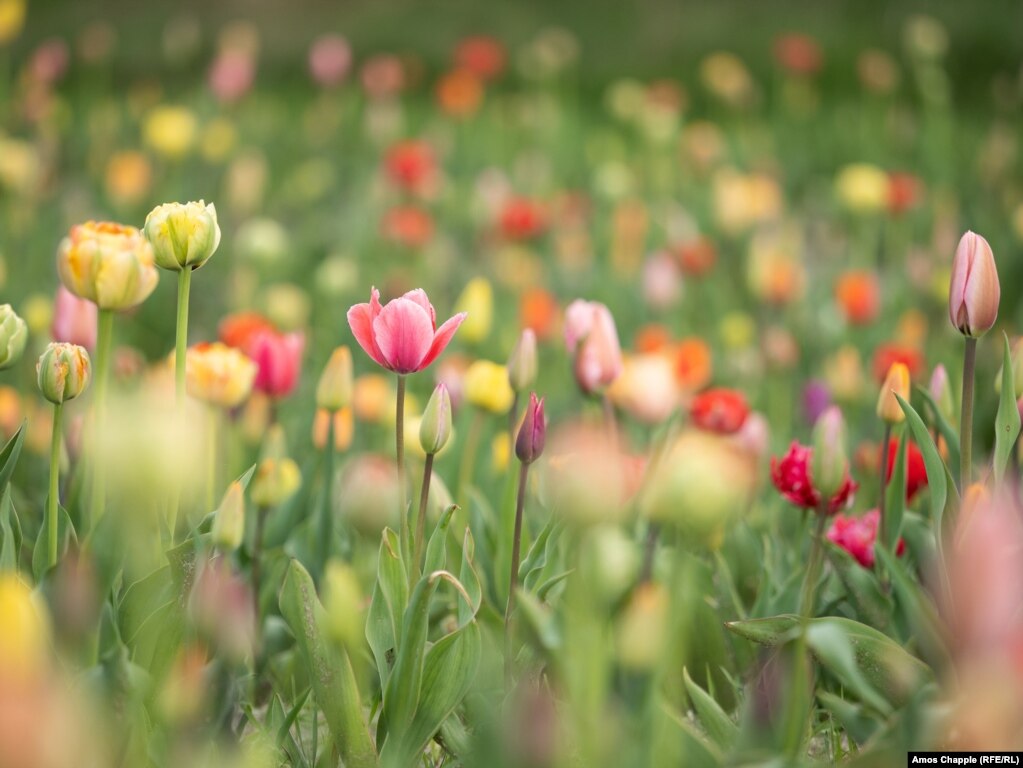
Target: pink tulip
74 320
279 359
402 335
330 58
591 336
974 294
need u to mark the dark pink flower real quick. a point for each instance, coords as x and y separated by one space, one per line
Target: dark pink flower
279 359
856 535
791 476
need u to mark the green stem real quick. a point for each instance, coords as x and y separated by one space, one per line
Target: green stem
966 415
813 570
326 521
104 343
257 568
399 447
53 500
181 339
885 455
513 577
424 498
214 458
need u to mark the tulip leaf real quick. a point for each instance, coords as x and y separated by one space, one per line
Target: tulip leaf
947 431
539 553
895 496
1007 421
715 720
390 596
65 535
467 610
861 584
544 589
330 669
859 724
436 549
541 620
10 533
9 456
922 614
833 649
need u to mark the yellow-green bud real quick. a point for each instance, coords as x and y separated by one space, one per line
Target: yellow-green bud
13 335
275 481
334 390
229 522
342 604
829 466
435 426
522 364
183 236
941 390
63 372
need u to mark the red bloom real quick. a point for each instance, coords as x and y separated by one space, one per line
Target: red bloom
791 476
697 257
904 192
522 219
799 54
719 410
482 55
887 354
916 470
411 164
279 360
856 535
407 226
237 330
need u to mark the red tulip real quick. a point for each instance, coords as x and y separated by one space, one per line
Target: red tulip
402 335
916 470
856 535
791 476
279 358
719 410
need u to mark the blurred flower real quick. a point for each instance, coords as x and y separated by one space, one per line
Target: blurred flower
487 387
373 397
343 604
798 54
830 462
791 476
229 521
219 374
239 329
539 311
642 629
370 499
703 143
63 372
726 76
482 55
402 336
701 483
219 138
925 37
12 415
904 192
278 357
697 256
334 389
719 410
476 302
108 264
878 71
382 76
459 93
170 131
886 355
522 363
49 61
862 188
286 305
344 428
21 166
129 177
647 388
895 383
662 284
693 364
231 75
330 59
941 391
916 470
592 339
529 442
435 425
974 292
858 293
816 399
12 19
25 641
522 219
13 336
220 607
412 166
408 226
182 235
262 241
775 271
96 41
276 480
856 535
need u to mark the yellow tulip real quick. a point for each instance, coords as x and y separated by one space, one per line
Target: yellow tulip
487 387
109 264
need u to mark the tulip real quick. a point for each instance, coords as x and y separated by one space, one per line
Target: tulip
477 303
647 389
857 535
941 390
278 357
25 641
219 375
522 364
183 236
719 410
13 336
974 292
895 383
487 387
643 627
344 427
830 463
791 476
229 522
591 337
334 390
530 441
74 319
109 264
434 431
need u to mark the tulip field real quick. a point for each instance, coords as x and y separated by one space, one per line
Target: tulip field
431 390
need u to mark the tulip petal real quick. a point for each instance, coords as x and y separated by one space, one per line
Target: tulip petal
419 297
360 320
579 319
442 338
404 333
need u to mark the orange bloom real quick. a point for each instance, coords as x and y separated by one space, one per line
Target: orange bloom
858 294
904 192
693 363
538 309
460 93
888 354
482 55
522 219
697 257
408 226
652 338
719 410
238 330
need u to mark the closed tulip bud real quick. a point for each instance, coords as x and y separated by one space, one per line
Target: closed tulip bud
941 391
435 426
334 390
109 264
829 466
974 292
895 383
229 522
342 604
591 336
487 387
275 481
533 432
63 372
183 236
477 302
13 335
344 428
522 365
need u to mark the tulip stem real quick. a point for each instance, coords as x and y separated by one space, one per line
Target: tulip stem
966 415
326 519
609 418
104 343
181 340
399 440
885 458
513 576
813 569
424 498
257 567
53 500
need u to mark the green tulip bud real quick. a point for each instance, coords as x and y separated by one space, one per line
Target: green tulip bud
435 426
334 390
229 522
183 236
13 335
63 372
829 466
522 364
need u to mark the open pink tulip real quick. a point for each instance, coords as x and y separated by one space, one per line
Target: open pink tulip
402 335
974 293
591 336
279 360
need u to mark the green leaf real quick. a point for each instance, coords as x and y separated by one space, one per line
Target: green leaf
390 597
895 496
9 456
834 650
718 724
436 550
922 614
65 535
947 430
10 533
862 586
538 554
285 727
859 724
541 620
1007 422
770 632
467 575
330 669
544 589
